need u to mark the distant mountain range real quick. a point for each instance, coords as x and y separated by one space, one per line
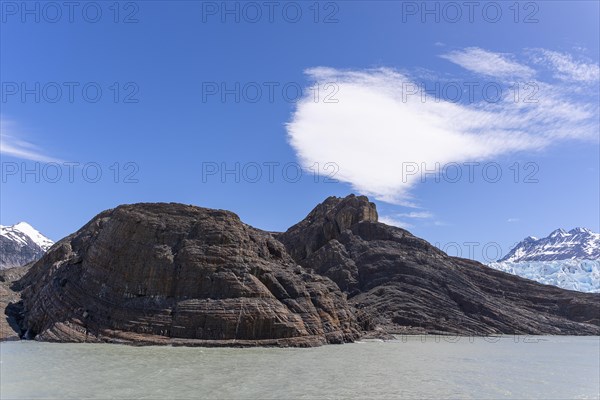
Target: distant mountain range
21 244
570 260
578 243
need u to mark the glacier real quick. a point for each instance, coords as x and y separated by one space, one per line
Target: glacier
582 275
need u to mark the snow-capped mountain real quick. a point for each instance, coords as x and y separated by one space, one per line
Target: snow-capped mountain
578 243
21 244
570 260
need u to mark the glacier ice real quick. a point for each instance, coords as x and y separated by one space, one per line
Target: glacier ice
577 274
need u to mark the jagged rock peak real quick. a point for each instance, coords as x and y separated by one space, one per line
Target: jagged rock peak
327 221
346 211
558 232
578 243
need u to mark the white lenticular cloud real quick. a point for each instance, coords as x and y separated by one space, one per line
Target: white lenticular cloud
379 129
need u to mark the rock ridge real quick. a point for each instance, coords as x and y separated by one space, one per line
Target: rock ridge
401 283
176 274
168 273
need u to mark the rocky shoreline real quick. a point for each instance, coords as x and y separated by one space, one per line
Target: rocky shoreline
173 274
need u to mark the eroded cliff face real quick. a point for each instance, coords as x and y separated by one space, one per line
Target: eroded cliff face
176 274
401 283
10 302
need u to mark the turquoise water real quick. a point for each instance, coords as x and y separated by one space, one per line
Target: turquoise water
411 367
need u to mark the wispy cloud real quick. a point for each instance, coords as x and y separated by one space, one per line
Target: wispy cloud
399 219
416 214
395 222
512 220
489 63
11 144
376 128
566 67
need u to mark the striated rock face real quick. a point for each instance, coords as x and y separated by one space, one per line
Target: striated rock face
176 274
401 283
10 302
325 223
183 275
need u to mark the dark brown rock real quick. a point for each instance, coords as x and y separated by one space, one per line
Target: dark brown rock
10 302
182 275
403 284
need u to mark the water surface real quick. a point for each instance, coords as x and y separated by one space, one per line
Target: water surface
411 367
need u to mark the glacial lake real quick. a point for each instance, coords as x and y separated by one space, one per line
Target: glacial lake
542 367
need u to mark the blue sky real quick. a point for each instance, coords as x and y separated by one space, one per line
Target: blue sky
179 102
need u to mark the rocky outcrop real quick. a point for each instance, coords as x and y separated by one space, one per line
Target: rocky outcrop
181 275
400 283
10 302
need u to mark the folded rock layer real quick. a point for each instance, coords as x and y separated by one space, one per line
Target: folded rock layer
403 284
184 275
176 274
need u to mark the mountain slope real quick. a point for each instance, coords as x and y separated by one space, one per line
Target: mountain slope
578 243
402 283
21 244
